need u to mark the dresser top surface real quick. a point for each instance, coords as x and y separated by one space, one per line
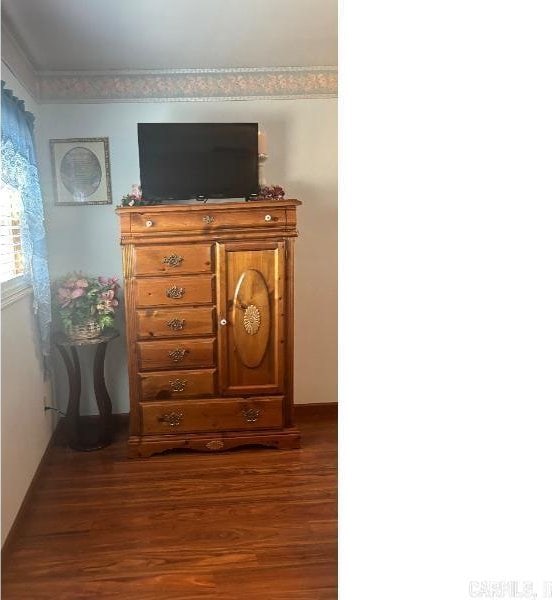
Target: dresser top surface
209 206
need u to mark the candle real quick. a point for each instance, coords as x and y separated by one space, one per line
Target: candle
262 143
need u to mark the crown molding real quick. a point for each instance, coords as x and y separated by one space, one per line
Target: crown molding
177 85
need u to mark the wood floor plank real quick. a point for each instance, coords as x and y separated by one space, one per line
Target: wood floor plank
250 523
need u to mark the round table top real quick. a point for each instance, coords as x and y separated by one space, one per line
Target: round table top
60 339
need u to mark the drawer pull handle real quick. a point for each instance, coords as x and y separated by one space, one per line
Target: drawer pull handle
178 385
174 260
149 223
208 219
175 292
223 321
268 218
176 324
214 445
251 414
178 354
171 419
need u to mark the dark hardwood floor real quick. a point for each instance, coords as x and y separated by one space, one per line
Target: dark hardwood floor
246 524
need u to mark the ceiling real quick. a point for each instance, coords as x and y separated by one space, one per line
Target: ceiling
100 35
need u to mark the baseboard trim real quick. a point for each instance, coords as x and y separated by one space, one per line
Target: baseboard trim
316 410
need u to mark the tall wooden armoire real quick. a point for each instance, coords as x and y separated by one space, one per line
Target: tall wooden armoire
209 324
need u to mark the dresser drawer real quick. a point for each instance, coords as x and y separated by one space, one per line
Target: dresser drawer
169 385
172 259
203 220
172 354
175 322
211 415
174 290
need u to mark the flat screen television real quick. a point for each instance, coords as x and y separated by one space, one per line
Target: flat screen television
183 161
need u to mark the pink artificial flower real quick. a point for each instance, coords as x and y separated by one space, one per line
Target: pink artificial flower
77 293
82 283
136 191
64 297
109 302
108 281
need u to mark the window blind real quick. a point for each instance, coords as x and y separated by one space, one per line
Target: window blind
11 255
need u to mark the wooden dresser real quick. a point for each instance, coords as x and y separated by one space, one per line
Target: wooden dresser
209 324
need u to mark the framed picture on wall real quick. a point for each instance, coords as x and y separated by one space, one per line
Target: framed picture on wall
80 169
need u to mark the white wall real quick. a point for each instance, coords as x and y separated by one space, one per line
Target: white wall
302 138
26 427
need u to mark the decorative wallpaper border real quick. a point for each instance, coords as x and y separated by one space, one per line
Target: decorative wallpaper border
188 84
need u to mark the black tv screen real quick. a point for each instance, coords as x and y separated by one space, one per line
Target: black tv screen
181 161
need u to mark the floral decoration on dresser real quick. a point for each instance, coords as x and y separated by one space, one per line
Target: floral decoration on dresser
82 300
271 192
135 197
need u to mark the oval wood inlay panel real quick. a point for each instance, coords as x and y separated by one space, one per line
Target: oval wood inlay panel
251 318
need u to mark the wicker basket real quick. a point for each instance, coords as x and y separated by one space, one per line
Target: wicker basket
88 331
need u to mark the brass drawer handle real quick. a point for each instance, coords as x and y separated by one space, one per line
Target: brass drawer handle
176 324
214 445
175 292
178 354
171 419
268 218
208 219
178 385
174 260
149 223
251 414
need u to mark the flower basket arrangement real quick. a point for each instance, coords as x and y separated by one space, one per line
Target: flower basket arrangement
86 305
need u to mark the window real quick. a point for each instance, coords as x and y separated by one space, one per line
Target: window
11 253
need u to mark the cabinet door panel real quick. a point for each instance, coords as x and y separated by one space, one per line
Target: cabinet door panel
251 299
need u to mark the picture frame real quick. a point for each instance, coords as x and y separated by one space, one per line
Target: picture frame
81 171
